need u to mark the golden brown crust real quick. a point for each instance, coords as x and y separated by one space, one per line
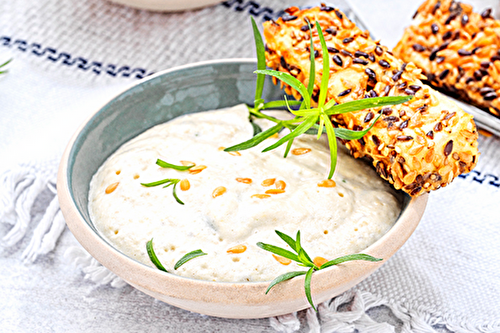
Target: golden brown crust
419 146
459 51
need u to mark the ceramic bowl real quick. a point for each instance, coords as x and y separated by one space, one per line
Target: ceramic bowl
157 99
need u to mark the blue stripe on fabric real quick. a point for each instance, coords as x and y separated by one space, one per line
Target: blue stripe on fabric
67 59
253 8
482 178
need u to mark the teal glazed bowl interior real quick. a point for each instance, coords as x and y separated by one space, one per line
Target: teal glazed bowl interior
160 98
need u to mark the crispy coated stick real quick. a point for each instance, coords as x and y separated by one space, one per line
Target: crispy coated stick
418 146
459 51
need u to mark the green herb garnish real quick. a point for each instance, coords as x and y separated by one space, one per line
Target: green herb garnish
169 182
154 259
164 164
3 65
189 256
303 259
307 117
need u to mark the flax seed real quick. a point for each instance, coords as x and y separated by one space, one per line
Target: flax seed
218 191
111 188
327 183
237 249
280 184
275 191
197 169
318 261
261 196
268 182
188 163
282 260
300 151
244 180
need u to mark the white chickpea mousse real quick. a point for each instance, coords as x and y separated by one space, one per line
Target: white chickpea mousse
234 200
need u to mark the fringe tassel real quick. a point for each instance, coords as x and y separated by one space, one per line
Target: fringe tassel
286 323
20 189
92 269
354 318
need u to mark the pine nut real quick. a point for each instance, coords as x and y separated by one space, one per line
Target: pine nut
197 169
237 249
318 261
261 196
188 163
111 188
300 151
268 182
275 191
280 185
185 185
244 180
218 191
327 183
282 260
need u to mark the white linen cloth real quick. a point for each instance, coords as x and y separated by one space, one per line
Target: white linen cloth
71 56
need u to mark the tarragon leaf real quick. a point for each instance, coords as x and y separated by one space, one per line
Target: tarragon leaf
326 68
332 142
3 65
189 256
304 126
298 246
159 182
175 195
304 258
153 257
164 164
284 277
256 139
362 104
261 62
280 104
291 81
289 240
279 251
256 128
347 134
307 287
350 257
312 66
288 147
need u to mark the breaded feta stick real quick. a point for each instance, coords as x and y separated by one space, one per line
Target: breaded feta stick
418 146
459 51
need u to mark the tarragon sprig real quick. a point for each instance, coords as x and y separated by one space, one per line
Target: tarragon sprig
307 116
154 259
169 181
303 259
3 65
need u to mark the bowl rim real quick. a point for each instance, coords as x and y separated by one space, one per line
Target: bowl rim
384 247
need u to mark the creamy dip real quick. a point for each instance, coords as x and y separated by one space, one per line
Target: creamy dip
333 221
